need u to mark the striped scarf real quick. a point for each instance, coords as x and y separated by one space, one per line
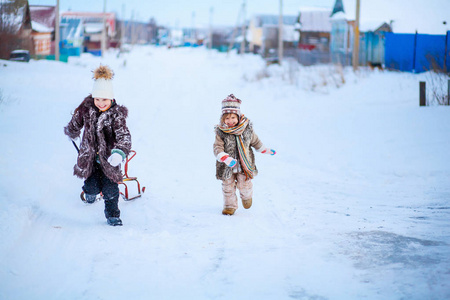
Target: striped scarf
243 157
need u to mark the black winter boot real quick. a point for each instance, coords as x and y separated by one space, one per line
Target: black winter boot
90 198
114 221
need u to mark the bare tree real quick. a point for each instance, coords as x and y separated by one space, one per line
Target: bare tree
437 80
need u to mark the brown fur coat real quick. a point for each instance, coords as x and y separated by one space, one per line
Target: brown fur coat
226 142
103 131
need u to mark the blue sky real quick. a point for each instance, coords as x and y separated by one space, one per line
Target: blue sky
180 12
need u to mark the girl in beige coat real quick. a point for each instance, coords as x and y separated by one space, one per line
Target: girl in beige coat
235 164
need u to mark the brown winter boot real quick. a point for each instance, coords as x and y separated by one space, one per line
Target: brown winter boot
247 203
228 211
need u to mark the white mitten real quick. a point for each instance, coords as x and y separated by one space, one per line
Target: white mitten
115 159
226 159
265 150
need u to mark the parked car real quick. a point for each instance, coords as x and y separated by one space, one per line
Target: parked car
20 55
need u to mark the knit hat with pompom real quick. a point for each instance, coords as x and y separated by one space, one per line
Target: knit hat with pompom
103 88
231 104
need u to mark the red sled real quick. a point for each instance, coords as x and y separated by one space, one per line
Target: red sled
128 179
125 182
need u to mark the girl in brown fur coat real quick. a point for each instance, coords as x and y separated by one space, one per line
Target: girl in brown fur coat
235 164
105 143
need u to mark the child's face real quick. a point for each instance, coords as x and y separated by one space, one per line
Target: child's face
102 103
231 120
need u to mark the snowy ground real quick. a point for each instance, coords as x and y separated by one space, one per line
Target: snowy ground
355 205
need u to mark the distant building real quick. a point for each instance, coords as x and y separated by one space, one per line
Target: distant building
342 35
372 43
43 25
195 36
136 32
314 25
176 38
222 38
263 33
42 39
87 27
15 28
315 28
72 36
371 37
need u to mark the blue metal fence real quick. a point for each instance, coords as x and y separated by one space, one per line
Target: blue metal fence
417 52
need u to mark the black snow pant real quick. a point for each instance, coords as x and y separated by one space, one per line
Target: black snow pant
97 183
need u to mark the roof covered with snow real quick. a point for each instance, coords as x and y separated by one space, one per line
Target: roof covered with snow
93 27
315 19
43 14
370 25
406 16
40 27
12 19
261 20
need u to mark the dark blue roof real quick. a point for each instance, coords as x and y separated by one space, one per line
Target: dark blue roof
338 6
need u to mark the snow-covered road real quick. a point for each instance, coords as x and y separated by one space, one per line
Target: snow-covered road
355 205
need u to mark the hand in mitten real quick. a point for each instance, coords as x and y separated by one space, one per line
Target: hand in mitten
265 150
226 159
116 157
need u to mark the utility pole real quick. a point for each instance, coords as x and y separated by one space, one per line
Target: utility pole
192 35
133 27
137 29
211 10
356 39
103 42
243 28
230 46
122 28
57 37
280 34
446 49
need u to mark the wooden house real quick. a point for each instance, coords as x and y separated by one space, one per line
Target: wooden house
43 25
372 43
263 33
371 34
42 39
15 28
72 36
82 31
342 35
314 26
